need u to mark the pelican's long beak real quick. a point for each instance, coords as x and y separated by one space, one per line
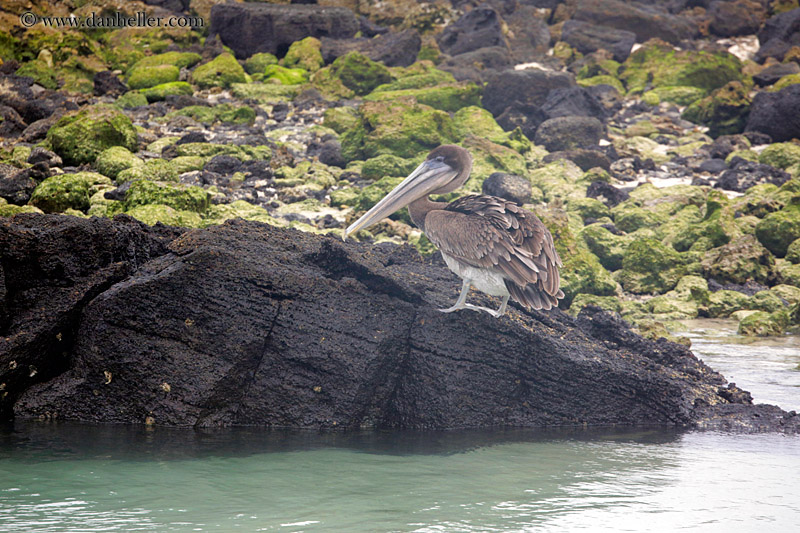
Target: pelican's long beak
427 178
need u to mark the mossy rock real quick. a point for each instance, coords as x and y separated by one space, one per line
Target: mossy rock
722 304
373 193
788 273
749 155
793 252
222 71
588 208
717 228
609 248
330 86
41 73
146 77
114 160
789 79
630 219
67 191
160 92
176 59
724 111
738 261
650 267
187 163
340 119
780 155
153 169
582 273
445 97
305 54
152 214
175 195
344 197
641 147
787 292
655 329
609 303
602 80
258 62
677 95
388 165
219 213
763 324
9 210
286 76
560 179
766 301
131 99
488 158
359 73
265 93
403 128
241 152
227 113
778 230
79 137
474 120
430 78
658 64
672 306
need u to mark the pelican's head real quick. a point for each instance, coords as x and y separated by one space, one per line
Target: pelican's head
445 169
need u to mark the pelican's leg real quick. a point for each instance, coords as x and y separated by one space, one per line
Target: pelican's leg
462 298
497 314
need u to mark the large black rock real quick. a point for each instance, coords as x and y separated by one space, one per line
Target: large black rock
392 49
776 114
645 20
588 38
778 35
251 28
479 28
246 323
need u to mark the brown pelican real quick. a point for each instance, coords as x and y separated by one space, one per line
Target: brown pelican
491 243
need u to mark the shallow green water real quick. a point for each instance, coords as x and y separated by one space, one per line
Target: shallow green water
64 477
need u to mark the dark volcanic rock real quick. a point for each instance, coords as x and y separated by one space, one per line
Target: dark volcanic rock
106 82
528 36
515 97
54 266
776 114
479 28
606 193
16 186
223 164
738 17
480 65
582 157
744 174
247 323
773 73
588 38
566 133
252 28
778 35
392 49
646 21
508 186
572 101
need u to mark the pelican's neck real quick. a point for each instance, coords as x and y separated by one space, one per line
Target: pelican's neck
419 209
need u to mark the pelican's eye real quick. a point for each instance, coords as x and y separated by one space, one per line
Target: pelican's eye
439 159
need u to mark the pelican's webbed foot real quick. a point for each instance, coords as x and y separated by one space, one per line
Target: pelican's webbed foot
461 303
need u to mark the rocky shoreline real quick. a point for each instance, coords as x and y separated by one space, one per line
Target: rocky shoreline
658 142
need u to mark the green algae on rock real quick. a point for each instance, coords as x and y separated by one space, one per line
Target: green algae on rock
41 72
451 97
650 267
780 155
658 64
285 76
80 136
258 62
388 165
304 54
152 169
222 71
145 77
219 213
359 73
609 248
402 127
763 324
340 119
740 260
161 92
175 195
132 99
176 59
152 214
230 113
67 191
724 111
241 152
778 230
114 160
474 120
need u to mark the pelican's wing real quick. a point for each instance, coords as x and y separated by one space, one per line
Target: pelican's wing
489 232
